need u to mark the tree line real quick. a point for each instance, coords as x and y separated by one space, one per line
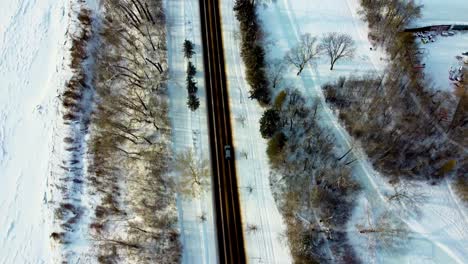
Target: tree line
193 102
132 210
75 100
252 51
335 45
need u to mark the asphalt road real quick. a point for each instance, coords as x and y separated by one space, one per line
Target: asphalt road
225 190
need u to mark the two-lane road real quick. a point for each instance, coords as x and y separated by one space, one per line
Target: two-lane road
225 190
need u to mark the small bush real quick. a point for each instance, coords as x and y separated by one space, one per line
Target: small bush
193 102
269 123
448 167
279 99
275 146
191 86
59 237
191 70
461 187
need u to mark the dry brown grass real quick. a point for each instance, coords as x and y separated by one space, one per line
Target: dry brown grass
461 187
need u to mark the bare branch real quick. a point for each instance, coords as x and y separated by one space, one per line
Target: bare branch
337 46
305 51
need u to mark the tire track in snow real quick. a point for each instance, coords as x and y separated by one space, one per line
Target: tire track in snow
3 152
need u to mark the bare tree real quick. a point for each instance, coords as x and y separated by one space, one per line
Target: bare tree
241 119
244 154
252 228
303 52
202 217
407 197
194 174
337 46
275 72
384 231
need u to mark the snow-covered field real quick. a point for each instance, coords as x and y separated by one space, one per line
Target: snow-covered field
32 35
440 234
190 129
286 20
438 12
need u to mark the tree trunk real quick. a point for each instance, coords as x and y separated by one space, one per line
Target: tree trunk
340 158
300 70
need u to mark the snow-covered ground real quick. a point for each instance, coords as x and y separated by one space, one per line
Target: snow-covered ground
190 129
440 234
267 244
286 20
439 57
440 12
32 35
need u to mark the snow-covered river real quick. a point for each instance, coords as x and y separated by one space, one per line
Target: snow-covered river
32 35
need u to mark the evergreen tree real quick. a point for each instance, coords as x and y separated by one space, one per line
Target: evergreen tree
193 102
191 70
269 123
191 85
188 49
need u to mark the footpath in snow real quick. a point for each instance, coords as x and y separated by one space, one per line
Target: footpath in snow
190 129
32 36
440 234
